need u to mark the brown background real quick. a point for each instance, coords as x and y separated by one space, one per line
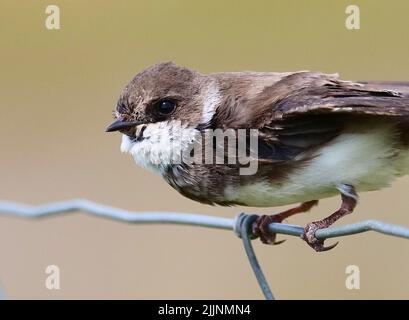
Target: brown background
57 92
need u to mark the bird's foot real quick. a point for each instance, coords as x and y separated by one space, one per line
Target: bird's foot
349 200
309 236
260 228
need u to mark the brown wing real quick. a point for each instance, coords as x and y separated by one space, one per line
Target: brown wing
285 139
314 93
305 110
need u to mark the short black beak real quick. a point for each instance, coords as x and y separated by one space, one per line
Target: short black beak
120 124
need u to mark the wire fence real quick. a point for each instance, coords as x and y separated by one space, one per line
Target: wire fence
240 224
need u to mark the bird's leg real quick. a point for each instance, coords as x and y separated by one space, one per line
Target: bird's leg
349 200
260 226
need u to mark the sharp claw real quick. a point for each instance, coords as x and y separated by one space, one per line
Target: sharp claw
331 246
279 242
260 229
321 247
269 239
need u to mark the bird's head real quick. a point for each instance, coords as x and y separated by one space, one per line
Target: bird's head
160 108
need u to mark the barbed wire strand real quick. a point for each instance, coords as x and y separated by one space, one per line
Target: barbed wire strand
241 229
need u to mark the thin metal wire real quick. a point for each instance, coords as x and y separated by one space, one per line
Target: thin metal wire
240 228
244 223
96 209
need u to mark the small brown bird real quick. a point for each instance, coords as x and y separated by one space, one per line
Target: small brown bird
316 136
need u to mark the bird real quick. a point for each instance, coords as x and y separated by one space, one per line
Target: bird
317 136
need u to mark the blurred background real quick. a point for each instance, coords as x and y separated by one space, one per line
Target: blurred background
58 88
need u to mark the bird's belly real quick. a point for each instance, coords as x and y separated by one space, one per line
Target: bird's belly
366 158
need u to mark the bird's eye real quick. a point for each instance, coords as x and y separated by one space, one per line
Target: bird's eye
166 107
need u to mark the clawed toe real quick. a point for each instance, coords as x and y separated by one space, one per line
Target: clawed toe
309 237
260 229
260 226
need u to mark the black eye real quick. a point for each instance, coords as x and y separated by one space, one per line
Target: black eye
166 107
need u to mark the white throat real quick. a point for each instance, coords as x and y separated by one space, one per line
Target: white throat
162 145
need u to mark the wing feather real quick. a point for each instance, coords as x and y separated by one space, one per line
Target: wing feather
306 110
